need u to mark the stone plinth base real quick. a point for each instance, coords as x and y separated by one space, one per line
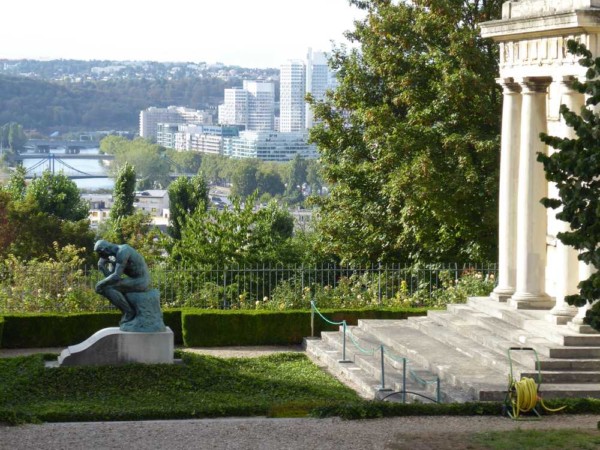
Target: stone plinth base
111 346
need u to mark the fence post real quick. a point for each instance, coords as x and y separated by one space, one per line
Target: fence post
403 380
312 318
382 387
344 360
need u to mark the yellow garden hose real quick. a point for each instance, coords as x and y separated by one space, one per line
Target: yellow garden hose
525 396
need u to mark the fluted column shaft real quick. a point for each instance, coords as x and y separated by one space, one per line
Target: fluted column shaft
567 263
532 187
507 202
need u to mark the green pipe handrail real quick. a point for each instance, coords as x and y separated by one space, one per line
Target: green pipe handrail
371 352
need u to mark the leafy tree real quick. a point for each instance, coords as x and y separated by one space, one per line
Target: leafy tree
16 137
313 177
409 139
7 227
151 168
235 236
185 197
216 169
297 173
244 178
269 182
124 193
57 195
17 185
574 169
35 232
187 161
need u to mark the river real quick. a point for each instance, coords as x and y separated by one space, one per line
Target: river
91 166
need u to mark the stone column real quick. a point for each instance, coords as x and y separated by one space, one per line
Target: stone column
531 214
567 263
585 270
509 165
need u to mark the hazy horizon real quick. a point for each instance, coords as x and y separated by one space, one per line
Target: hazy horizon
258 34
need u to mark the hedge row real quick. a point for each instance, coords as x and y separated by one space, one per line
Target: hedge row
60 330
192 327
216 328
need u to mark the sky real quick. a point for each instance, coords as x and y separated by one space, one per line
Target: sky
247 33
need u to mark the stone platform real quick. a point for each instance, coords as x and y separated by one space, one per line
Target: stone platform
466 347
111 346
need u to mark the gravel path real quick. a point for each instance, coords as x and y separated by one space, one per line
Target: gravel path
265 434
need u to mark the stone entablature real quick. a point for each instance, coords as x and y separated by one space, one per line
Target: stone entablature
534 8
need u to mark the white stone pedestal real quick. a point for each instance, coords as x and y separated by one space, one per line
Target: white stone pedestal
111 346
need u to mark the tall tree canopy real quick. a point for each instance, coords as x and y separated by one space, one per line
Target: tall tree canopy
124 193
409 139
574 169
185 197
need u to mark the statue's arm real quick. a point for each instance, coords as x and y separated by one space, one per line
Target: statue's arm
103 266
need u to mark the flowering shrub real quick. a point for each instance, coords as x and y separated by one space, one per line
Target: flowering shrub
52 285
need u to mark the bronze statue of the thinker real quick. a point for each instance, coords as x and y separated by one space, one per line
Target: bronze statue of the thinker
127 286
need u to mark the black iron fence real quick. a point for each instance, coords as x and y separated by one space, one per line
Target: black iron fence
261 286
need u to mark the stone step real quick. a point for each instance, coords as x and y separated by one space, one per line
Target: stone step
355 373
535 322
567 377
420 383
575 358
453 367
416 379
479 348
452 328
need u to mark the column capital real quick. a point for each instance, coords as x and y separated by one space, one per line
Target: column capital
535 85
509 86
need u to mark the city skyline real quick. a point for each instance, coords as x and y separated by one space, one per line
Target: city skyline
262 33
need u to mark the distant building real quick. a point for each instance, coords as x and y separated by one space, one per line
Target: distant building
318 80
151 117
152 201
234 110
270 146
252 106
292 80
199 138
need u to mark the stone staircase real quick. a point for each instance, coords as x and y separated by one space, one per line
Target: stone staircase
466 347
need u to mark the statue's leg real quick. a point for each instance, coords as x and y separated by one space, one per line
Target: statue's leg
120 301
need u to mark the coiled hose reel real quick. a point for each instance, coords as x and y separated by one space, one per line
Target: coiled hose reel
523 396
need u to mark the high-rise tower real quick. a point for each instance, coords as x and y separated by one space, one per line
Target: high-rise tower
292 92
317 80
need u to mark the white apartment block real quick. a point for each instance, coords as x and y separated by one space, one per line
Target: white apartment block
252 106
261 105
234 110
151 117
271 146
317 80
199 138
292 81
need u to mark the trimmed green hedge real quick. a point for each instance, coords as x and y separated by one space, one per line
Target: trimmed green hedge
1 329
53 330
217 328
59 330
193 327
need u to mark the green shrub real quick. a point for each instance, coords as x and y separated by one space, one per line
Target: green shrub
1 329
214 328
172 319
53 330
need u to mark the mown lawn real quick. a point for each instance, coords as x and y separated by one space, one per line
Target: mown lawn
285 384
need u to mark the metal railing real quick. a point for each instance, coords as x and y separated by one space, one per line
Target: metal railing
382 351
243 287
